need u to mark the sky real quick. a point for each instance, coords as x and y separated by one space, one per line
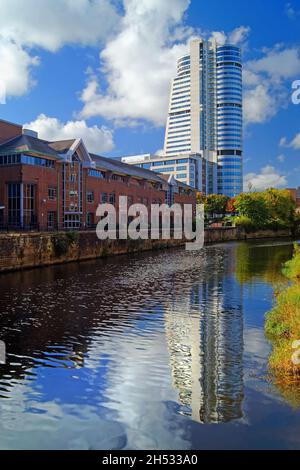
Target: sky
101 70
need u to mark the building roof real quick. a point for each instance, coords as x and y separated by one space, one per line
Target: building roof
181 184
114 165
26 143
62 146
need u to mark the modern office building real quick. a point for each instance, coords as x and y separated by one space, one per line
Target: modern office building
191 169
205 115
205 110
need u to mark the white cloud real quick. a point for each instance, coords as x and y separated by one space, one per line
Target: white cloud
15 68
49 25
265 79
267 178
97 139
239 35
278 63
139 63
281 158
259 104
294 144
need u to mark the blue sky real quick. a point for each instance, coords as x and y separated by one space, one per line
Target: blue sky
101 69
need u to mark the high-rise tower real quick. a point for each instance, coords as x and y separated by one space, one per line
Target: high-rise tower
205 110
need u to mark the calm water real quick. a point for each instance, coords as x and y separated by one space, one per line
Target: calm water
158 350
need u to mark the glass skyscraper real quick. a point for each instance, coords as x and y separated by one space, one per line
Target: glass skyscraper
206 112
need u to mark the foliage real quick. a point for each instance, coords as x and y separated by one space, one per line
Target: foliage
215 204
254 207
283 321
73 237
245 222
270 209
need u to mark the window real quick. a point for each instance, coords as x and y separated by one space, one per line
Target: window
112 198
90 196
72 221
96 174
52 193
90 219
29 204
103 199
73 178
14 204
51 220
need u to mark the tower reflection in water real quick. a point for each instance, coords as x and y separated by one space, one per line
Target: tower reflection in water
204 330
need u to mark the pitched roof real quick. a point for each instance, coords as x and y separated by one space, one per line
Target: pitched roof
62 146
111 164
179 183
27 143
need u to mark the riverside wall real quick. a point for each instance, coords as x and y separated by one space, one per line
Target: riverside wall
28 250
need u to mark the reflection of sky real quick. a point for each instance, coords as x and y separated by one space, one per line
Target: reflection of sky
123 395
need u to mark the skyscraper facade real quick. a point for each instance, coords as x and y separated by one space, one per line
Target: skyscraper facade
206 112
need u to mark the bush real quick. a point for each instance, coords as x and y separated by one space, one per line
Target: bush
282 325
245 222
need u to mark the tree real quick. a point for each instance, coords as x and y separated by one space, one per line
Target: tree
254 207
281 207
215 204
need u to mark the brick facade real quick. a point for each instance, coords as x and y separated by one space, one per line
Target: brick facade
59 185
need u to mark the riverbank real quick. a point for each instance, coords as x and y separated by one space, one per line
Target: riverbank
28 250
283 324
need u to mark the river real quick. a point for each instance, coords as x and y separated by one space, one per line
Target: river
160 350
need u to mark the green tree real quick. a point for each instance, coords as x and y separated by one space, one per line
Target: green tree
254 207
215 204
281 207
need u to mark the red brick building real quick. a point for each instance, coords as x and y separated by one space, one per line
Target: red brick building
59 185
295 193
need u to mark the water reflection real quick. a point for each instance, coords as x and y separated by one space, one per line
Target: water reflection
131 352
204 331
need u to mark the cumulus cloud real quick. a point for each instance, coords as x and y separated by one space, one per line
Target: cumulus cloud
139 62
269 177
266 91
48 25
294 144
259 104
97 139
281 158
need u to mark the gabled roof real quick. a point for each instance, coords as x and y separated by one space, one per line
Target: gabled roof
62 146
172 180
26 143
114 165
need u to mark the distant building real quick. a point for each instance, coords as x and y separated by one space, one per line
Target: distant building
295 193
59 185
191 169
205 117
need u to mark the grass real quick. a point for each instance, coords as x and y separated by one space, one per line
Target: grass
282 325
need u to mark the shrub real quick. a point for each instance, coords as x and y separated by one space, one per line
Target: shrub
245 222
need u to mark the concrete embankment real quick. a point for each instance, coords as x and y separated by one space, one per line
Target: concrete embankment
27 250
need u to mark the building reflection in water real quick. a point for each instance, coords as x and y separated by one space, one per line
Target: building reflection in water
204 330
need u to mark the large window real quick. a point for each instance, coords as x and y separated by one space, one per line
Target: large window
14 204
72 221
29 217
